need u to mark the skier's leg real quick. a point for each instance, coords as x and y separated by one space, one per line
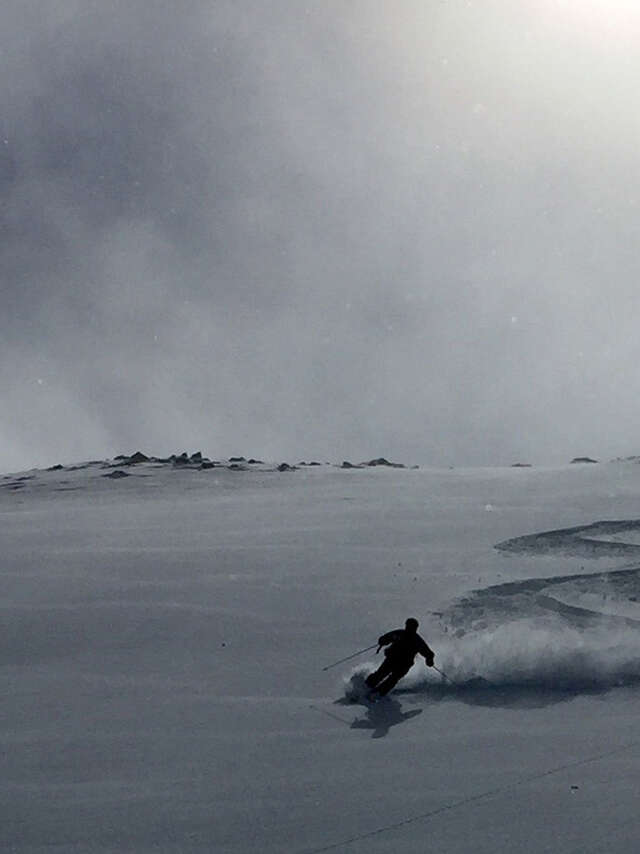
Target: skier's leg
387 684
392 680
378 675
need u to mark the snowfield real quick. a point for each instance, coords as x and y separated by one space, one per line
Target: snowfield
164 632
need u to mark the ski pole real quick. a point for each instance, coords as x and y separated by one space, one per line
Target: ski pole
348 657
442 673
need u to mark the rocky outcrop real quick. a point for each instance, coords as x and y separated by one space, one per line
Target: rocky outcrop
381 461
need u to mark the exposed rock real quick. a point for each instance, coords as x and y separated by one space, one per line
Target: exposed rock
118 473
286 467
237 460
138 457
583 460
253 462
207 464
57 467
182 460
347 465
197 457
521 466
381 461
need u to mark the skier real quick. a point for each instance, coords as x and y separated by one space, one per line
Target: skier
403 646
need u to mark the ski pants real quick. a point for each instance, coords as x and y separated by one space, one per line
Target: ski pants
388 675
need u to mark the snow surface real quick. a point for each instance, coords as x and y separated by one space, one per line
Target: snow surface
164 634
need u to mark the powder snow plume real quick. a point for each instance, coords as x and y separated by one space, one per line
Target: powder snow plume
524 654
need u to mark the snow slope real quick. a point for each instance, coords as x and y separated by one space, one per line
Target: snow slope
164 634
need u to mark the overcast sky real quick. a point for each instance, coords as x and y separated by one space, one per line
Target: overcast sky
320 229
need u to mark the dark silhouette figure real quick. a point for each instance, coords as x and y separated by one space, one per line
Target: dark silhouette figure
403 646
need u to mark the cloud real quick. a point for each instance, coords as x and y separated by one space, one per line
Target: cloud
322 229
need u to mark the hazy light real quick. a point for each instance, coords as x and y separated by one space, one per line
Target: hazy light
320 229
596 18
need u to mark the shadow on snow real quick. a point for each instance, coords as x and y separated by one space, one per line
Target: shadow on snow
381 716
515 695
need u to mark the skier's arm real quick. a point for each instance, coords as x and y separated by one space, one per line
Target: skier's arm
426 651
385 640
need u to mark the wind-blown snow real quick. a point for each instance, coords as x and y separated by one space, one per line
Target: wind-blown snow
524 654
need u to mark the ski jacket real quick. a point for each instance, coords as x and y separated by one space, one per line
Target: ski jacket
403 646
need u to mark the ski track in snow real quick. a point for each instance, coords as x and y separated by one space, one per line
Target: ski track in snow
546 637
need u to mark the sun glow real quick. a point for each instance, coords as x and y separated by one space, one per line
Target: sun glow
607 18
